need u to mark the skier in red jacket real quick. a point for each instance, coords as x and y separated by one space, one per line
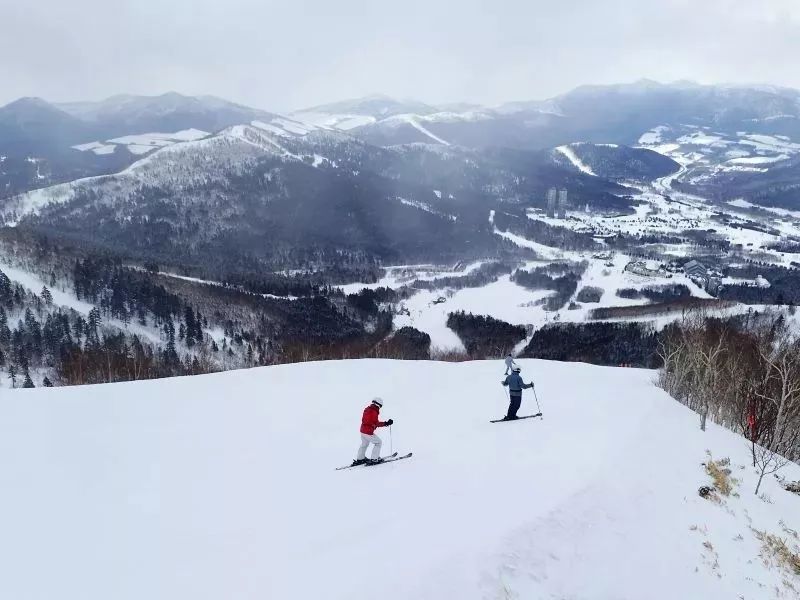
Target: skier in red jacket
369 423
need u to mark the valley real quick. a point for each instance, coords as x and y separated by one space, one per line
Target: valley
267 222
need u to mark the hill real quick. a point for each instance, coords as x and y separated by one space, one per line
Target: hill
224 486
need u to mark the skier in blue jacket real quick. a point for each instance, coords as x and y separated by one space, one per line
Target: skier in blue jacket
515 385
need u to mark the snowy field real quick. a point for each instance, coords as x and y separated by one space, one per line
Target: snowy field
223 486
142 143
427 310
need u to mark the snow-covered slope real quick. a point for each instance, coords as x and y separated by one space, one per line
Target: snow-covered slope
223 486
573 158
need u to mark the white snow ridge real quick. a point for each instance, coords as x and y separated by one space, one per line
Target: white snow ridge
223 486
569 153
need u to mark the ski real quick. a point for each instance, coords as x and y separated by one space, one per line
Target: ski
391 456
517 419
391 459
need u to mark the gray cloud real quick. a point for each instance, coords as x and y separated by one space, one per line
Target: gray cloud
282 55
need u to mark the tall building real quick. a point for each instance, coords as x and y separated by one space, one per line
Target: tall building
552 194
561 209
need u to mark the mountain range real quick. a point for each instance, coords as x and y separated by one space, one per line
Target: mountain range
201 181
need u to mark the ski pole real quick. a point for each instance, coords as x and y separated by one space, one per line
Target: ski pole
391 444
538 408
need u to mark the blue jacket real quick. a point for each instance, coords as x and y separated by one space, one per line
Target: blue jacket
516 385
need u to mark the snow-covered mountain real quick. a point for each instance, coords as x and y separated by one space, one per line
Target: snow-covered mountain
601 114
281 183
224 486
127 115
79 139
30 125
615 162
348 114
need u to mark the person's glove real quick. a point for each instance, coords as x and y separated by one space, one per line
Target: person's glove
390 422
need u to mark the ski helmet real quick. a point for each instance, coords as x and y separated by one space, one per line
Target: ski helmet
378 402
517 369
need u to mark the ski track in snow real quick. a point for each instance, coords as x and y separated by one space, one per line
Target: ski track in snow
416 125
223 486
569 153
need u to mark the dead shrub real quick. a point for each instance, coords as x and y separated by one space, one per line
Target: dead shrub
721 475
777 548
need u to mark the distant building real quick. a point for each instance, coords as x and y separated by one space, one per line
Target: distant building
641 268
713 285
552 194
694 269
708 279
561 208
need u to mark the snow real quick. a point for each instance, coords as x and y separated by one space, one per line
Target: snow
568 152
427 208
205 488
741 203
522 242
139 148
700 138
268 127
758 160
67 299
343 122
106 149
653 136
396 276
89 146
160 139
414 122
142 143
292 126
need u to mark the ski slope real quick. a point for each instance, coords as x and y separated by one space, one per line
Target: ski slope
223 486
570 155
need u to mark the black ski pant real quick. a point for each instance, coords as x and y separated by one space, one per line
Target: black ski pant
513 406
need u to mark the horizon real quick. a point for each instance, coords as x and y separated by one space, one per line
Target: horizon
378 95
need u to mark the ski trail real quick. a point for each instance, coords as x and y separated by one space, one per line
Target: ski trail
414 123
569 153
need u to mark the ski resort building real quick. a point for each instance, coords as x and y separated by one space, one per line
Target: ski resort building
552 196
561 208
695 268
643 269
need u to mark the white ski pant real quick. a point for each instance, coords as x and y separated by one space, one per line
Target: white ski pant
366 440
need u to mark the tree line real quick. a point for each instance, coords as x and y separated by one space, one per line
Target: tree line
742 373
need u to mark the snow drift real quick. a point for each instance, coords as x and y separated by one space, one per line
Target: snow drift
223 486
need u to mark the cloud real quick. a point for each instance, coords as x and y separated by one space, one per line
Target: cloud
282 55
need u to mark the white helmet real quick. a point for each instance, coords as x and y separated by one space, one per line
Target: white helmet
378 401
517 369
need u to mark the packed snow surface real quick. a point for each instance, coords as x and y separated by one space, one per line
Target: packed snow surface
223 486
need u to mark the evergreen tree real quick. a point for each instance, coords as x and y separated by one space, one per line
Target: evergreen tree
28 383
92 326
12 374
191 326
46 382
170 354
47 296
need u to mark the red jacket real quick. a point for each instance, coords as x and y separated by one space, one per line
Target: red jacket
370 421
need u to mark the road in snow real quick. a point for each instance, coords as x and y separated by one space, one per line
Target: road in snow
223 486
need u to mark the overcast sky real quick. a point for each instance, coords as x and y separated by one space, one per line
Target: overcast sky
291 54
